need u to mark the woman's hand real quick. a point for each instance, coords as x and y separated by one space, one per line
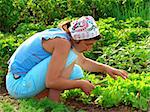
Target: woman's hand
113 72
86 86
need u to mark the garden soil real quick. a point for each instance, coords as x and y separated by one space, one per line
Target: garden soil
76 105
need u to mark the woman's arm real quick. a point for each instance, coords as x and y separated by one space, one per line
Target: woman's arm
56 66
93 66
90 65
54 79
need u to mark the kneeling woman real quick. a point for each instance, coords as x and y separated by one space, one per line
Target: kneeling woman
50 61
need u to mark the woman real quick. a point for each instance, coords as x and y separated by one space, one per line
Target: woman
51 61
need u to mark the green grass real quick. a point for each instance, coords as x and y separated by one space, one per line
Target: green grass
8 104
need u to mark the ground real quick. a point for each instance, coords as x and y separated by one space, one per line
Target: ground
79 105
93 108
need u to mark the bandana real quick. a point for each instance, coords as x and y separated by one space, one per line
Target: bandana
84 28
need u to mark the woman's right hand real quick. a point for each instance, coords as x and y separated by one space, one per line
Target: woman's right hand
86 86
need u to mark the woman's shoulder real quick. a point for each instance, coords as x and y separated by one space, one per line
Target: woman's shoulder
53 33
60 43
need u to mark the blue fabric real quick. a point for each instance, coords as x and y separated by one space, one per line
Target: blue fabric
31 51
30 61
34 81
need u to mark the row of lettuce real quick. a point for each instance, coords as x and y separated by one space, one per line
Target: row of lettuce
134 91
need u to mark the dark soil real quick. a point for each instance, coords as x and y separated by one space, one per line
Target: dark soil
76 105
94 108
3 90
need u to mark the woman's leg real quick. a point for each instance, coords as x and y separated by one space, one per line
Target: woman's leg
55 94
33 82
42 94
71 72
52 93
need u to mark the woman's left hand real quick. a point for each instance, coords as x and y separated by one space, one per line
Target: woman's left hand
113 72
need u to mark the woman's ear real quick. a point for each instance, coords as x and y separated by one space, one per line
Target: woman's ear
75 41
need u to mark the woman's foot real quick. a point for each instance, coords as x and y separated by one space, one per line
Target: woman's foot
42 94
54 95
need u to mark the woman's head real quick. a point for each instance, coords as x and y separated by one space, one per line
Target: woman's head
84 32
84 28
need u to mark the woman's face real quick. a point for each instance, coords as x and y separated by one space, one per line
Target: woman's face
84 45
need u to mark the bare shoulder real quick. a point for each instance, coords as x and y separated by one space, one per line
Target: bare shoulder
59 43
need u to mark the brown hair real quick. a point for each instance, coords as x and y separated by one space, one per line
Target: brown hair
68 23
95 38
